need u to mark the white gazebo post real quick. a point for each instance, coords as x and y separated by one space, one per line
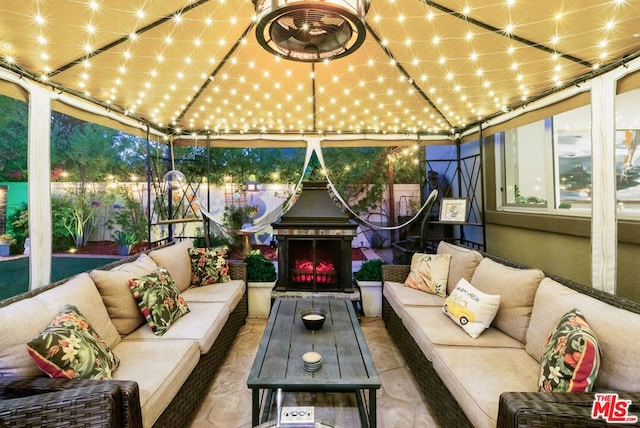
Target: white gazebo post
603 184
39 167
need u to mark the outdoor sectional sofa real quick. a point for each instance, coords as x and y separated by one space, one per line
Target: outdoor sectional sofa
492 380
160 381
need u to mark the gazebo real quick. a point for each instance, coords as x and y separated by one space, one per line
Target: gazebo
355 73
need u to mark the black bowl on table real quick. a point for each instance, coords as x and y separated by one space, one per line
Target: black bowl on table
313 318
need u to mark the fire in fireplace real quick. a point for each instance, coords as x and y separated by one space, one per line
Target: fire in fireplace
314 262
314 244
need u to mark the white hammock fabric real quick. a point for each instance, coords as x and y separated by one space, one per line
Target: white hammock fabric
425 207
266 220
313 145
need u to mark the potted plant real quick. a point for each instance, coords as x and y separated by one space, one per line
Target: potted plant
125 241
261 279
369 281
6 241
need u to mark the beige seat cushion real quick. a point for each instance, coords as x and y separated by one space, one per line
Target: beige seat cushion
202 324
463 264
25 319
113 286
517 289
430 327
159 369
175 258
230 293
616 330
477 376
396 292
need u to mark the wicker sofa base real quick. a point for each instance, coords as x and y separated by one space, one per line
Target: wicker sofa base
442 406
184 406
42 401
556 409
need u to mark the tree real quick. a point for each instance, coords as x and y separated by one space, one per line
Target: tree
268 165
87 153
85 150
13 139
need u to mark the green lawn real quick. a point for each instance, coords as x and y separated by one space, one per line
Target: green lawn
14 273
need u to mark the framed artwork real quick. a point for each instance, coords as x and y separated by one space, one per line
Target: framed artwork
454 210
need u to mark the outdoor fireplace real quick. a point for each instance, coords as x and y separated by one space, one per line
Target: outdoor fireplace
314 244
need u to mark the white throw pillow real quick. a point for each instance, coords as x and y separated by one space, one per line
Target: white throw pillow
472 309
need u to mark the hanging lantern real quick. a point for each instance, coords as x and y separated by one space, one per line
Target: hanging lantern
311 30
175 180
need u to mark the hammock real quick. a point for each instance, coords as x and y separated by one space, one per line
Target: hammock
425 207
264 222
267 219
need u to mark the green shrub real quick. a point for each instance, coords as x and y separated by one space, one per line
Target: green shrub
259 268
19 225
124 237
370 270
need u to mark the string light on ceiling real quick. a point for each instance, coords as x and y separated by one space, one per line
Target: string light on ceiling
311 30
425 66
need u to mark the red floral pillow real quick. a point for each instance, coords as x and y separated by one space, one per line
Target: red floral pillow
209 265
70 348
159 300
571 357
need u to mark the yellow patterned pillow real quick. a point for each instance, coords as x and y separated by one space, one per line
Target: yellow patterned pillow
429 273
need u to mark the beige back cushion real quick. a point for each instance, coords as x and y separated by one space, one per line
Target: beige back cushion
25 319
616 330
175 258
462 265
517 290
113 286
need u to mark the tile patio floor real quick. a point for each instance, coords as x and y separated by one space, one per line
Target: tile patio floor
400 404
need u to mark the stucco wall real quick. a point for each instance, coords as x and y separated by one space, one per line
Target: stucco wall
628 281
563 255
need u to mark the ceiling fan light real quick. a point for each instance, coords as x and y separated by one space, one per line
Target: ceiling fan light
311 30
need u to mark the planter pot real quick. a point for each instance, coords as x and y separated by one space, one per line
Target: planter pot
124 250
259 295
5 250
371 295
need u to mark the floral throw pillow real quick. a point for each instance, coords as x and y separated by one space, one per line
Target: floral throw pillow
209 265
429 273
70 348
159 300
571 357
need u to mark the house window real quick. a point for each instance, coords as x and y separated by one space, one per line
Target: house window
546 165
572 158
526 165
627 155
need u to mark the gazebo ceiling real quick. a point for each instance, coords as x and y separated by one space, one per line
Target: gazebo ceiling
425 67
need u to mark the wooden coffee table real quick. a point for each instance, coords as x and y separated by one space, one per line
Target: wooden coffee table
347 365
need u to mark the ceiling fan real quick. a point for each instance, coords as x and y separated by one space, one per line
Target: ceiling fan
311 30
